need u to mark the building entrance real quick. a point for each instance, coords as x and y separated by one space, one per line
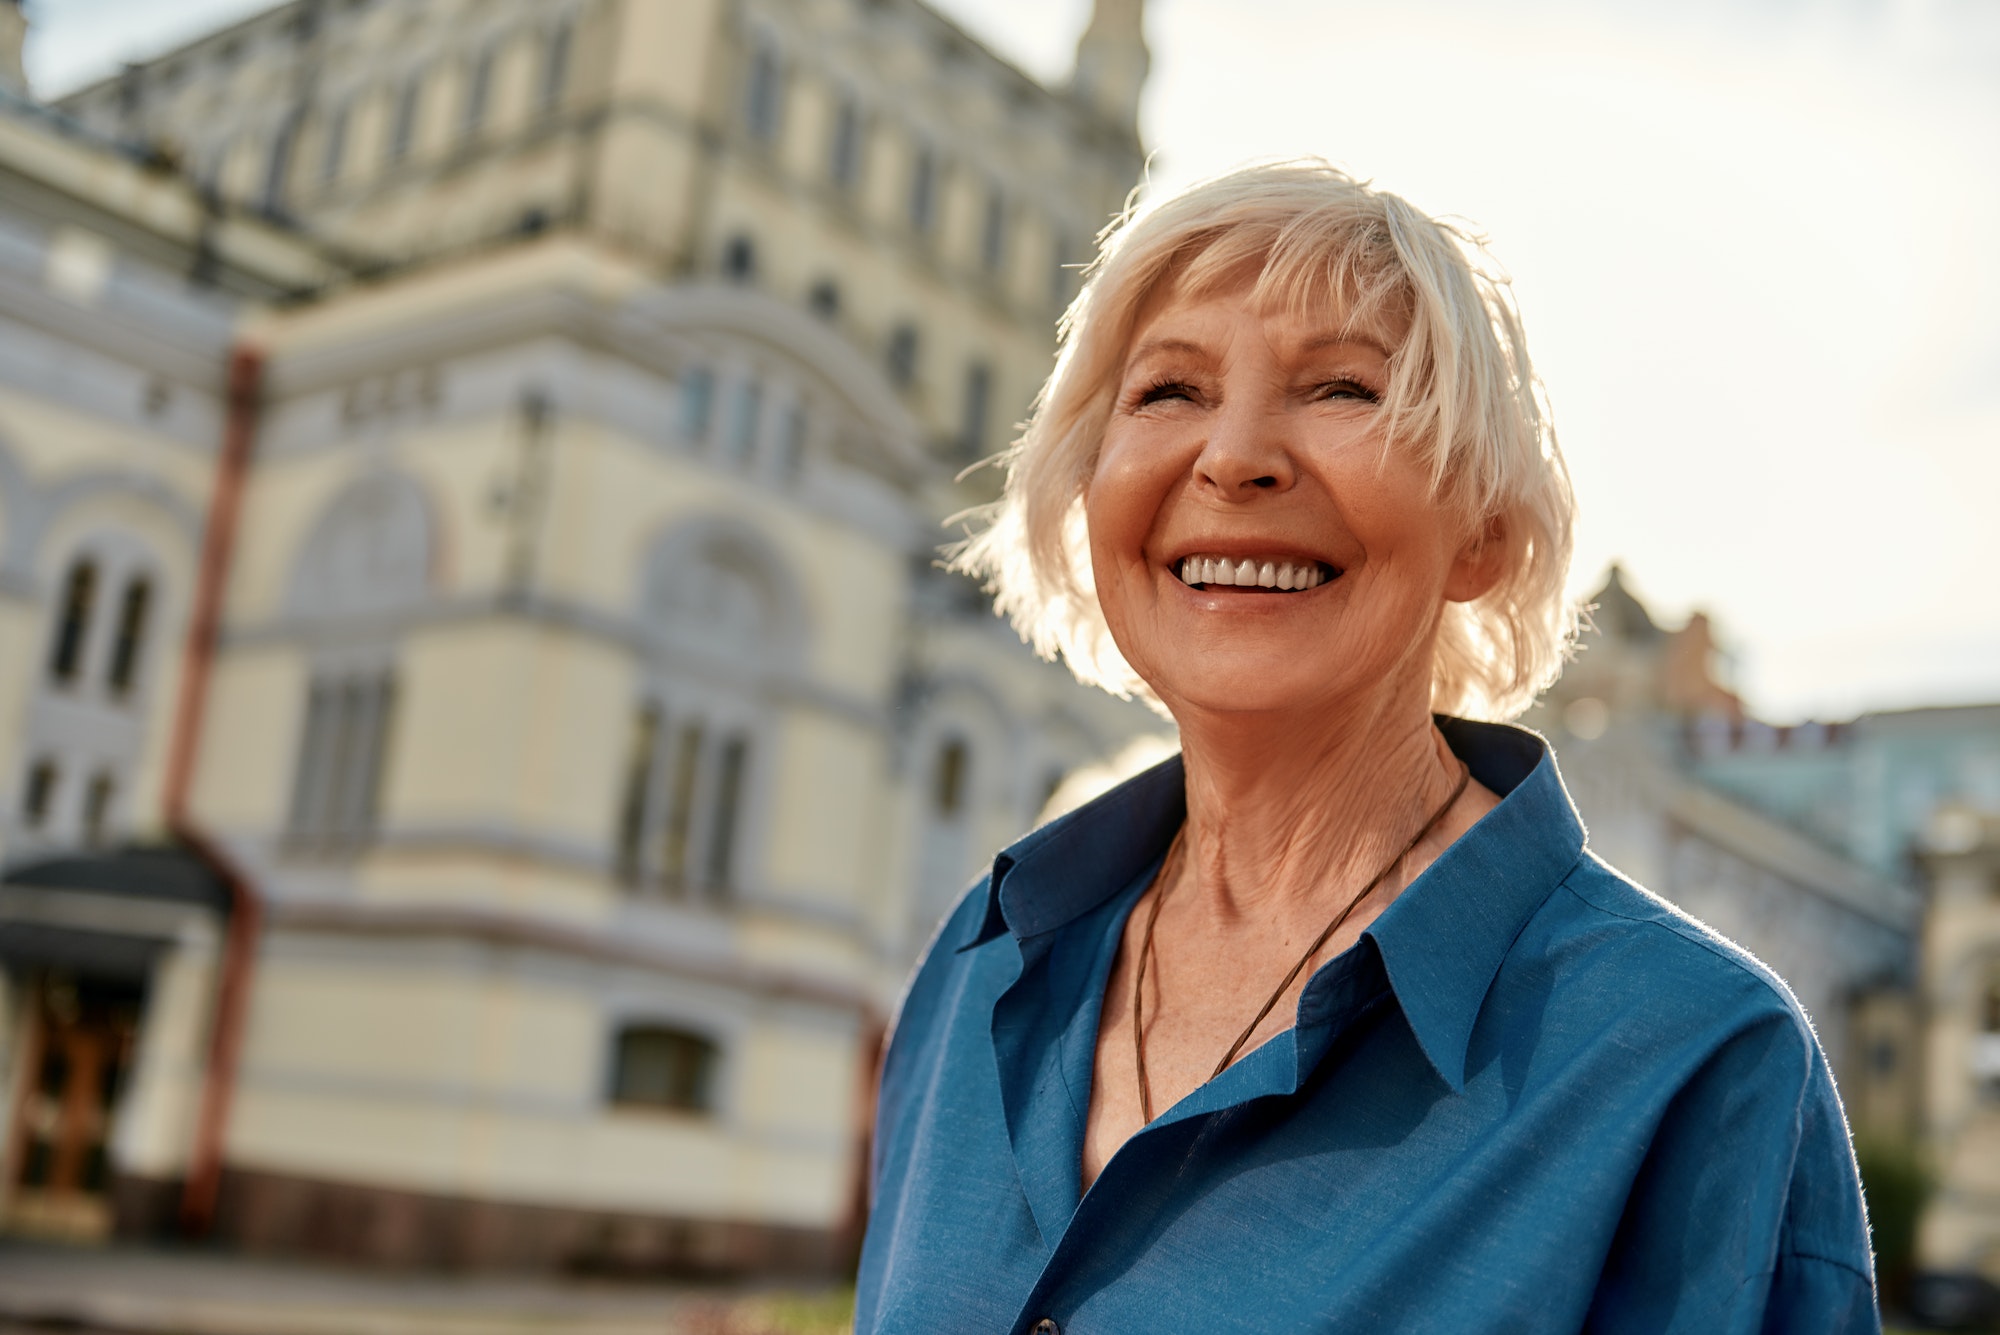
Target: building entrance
78 1041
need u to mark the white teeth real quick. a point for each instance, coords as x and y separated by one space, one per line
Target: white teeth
1226 572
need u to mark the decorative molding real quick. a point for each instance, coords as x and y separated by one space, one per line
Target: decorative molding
562 939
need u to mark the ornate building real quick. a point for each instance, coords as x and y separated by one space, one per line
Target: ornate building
481 733
1644 728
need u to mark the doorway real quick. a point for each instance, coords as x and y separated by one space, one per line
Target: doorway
79 1036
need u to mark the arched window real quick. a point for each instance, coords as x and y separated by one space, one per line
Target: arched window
73 621
133 611
722 615
654 1066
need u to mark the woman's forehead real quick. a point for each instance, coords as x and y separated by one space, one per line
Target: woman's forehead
1177 318
1312 302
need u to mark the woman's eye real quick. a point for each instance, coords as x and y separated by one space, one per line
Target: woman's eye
1165 391
1341 387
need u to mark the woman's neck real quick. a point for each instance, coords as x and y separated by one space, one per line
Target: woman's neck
1287 814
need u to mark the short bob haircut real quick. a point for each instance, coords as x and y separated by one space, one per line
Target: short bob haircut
1462 398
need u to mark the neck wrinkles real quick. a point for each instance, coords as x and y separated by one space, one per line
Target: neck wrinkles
1287 816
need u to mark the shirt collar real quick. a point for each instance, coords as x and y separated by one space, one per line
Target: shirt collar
1441 941
1443 938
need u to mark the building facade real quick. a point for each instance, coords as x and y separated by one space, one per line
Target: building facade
541 455
1634 720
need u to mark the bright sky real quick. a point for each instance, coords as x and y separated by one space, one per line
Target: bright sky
1753 241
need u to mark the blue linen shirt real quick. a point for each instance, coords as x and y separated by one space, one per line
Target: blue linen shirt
1532 1097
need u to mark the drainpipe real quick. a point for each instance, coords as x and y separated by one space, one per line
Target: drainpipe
239 950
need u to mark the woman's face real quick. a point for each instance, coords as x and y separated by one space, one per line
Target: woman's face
1238 436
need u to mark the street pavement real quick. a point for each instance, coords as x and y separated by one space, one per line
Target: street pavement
127 1291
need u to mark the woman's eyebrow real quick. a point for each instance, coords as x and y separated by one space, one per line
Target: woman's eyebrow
1154 346
1320 342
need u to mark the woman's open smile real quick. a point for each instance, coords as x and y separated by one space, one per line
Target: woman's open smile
1254 545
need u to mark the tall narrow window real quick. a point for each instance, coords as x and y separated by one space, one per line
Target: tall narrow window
336 786
639 761
843 158
679 830
903 355
791 441
73 629
763 93
132 613
993 231
334 147
478 89
555 69
663 1068
724 814
948 782
923 188
278 168
744 420
40 797
97 808
697 402
739 258
975 410
403 123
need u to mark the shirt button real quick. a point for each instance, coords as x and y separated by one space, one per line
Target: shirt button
1047 1326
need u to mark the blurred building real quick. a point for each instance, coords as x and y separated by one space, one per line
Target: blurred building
1961 997
1860 859
534 420
1636 720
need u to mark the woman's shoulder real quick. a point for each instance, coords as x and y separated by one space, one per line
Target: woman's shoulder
1609 942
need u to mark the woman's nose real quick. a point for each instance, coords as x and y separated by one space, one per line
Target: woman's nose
1246 453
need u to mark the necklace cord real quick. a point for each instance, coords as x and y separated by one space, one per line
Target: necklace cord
1165 878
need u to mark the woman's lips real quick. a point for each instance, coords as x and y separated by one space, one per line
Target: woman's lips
1281 574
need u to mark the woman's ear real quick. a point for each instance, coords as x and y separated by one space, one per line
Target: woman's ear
1480 563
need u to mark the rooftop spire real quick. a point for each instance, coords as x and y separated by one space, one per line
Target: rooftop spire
1112 61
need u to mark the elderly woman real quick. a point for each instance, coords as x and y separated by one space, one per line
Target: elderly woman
1333 1022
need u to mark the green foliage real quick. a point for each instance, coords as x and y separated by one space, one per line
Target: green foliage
1897 1182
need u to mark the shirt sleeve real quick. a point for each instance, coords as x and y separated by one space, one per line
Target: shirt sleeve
1746 1216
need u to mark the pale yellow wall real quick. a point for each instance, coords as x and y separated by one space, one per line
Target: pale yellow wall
249 742
157 1113
491 1086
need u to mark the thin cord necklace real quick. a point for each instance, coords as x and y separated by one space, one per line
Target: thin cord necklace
1165 879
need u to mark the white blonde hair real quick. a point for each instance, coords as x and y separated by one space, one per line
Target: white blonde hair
1462 399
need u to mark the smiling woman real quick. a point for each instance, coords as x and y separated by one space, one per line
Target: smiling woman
1331 1022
